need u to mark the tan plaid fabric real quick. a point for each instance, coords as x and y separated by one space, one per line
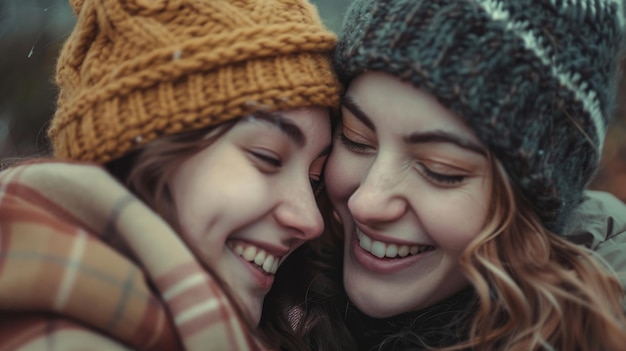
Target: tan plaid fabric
78 254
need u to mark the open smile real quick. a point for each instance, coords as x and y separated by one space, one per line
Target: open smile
381 249
386 258
264 260
261 264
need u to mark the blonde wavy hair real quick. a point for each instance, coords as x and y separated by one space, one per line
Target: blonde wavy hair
536 290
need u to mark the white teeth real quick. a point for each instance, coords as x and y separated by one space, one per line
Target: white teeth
392 250
239 250
380 249
249 253
268 264
266 261
403 251
259 258
365 242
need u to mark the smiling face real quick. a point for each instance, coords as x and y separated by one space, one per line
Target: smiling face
412 185
247 201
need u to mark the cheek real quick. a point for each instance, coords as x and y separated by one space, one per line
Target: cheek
343 175
186 193
212 189
454 218
182 186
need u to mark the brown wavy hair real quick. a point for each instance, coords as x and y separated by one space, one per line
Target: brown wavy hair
533 290
536 290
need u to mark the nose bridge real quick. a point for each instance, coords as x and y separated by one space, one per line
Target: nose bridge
379 196
382 178
297 209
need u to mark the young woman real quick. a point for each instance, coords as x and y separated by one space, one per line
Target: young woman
189 142
469 131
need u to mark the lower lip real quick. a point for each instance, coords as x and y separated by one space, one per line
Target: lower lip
384 265
264 280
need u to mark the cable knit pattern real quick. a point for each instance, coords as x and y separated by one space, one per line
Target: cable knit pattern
134 70
535 79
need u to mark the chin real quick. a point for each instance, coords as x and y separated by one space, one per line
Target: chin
376 311
255 319
370 305
380 303
253 309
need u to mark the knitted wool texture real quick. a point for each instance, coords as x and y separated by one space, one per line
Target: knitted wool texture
534 79
134 70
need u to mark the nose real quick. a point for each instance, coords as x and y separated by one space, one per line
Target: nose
298 212
379 197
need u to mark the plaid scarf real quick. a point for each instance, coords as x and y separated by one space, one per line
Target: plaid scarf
86 265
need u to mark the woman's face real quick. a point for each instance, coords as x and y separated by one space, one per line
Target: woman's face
247 201
411 183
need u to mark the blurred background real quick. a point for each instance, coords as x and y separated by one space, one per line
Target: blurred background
31 32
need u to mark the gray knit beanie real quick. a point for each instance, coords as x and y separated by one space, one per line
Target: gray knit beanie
535 79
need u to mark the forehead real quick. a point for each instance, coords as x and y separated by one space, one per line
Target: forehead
392 103
314 122
310 116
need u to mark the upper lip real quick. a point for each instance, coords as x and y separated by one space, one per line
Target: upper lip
382 238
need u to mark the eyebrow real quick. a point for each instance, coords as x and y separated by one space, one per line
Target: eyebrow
436 136
292 131
351 105
440 136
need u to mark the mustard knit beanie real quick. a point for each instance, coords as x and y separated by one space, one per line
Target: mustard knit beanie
134 70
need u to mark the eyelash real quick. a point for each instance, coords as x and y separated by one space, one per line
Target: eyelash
351 145
272 161
316 184
438 178
441 178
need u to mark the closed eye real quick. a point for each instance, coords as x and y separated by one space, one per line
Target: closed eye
354 146
268 159
441 179
316 185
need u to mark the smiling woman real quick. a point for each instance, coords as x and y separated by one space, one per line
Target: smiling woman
426 173
189 142
469 132
265 171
